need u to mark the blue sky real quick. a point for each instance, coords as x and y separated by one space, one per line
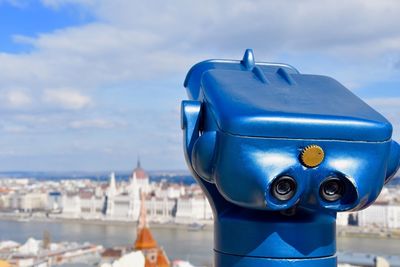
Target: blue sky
91 84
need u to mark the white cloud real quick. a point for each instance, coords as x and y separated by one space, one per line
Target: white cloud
15 129
15 3
93 123
67 99
8 153
33 119
17 99
60 3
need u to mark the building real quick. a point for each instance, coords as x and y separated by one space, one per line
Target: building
71 205
161 209
193 208
393 213
28 201
342 218
122 203
381 214
91 205
54 201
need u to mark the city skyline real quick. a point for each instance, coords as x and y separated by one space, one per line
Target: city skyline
89 85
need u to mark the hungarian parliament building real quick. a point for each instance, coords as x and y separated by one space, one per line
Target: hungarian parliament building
164 202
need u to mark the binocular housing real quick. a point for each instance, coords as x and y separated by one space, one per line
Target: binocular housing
275 151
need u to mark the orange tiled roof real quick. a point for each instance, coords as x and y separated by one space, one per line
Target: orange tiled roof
147 263
4 190
162 260
145 239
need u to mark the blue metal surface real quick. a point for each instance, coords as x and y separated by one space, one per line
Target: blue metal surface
239 261
245 126
318 107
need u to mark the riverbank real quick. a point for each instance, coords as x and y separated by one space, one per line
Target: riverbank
205 225
368 232
342 231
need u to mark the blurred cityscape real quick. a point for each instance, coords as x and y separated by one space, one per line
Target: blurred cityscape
86 199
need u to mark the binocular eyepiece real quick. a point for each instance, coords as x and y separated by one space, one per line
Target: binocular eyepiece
284 188
331 189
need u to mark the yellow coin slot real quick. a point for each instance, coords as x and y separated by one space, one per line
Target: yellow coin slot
312 156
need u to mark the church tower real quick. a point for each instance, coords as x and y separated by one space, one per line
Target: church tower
155 256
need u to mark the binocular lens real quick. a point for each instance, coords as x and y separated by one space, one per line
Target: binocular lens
284 188
332 189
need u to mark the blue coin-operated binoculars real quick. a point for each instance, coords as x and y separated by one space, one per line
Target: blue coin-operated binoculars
278 154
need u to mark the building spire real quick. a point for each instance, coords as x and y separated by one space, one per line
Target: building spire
112 188
138 163
142 222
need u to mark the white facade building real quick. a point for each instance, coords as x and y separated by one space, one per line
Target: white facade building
71 205
54 202
393 213
28 202
193 208
123 205
160 209
374 215
91 206
381 215
342 218
84 204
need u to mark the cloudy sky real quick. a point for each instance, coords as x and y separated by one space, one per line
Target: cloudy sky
92 84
